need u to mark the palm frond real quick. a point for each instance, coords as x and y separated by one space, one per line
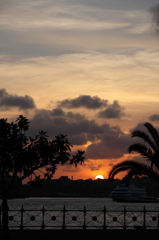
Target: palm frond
155 159
146 171
115 171
122 166
131 173
134 168
154 133
142 149
149 150
145 137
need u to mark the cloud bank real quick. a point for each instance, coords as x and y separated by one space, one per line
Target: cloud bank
112 111
105 141
100 139
154 117
9 101
83 101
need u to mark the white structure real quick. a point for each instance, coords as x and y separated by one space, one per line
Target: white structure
122 192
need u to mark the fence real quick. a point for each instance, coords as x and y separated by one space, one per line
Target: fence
82 219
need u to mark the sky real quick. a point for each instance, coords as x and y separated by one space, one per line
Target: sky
84 68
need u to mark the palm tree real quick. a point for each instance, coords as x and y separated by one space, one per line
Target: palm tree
149 150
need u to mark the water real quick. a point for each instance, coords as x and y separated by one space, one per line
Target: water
77 203
54 215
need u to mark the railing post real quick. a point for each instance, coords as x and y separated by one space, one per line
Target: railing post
124 218
21 224
144 223
84 222
104 226
43 213
64 210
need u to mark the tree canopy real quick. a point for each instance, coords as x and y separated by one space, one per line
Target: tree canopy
21 155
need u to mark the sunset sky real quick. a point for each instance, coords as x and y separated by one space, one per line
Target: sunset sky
88 69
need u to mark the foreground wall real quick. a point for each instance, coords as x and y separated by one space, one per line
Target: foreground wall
81 234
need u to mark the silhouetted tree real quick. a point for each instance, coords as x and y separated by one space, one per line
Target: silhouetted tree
21 156
149 150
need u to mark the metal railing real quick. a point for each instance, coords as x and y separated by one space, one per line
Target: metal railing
82 219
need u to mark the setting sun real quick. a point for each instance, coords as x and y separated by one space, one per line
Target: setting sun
99 177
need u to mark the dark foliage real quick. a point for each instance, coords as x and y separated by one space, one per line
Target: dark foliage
149 150
21 156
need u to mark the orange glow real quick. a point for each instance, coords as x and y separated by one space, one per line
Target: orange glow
90 169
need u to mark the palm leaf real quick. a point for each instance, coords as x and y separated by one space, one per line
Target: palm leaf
145 137
133 168
146 171
142 149
122 166
115 171
155 159
154 133
150 152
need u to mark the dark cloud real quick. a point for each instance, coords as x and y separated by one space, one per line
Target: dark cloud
83 101
112 111
75 116
155 17
76 126
107 141
154 117
8 100
94 168
57 112
111 145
